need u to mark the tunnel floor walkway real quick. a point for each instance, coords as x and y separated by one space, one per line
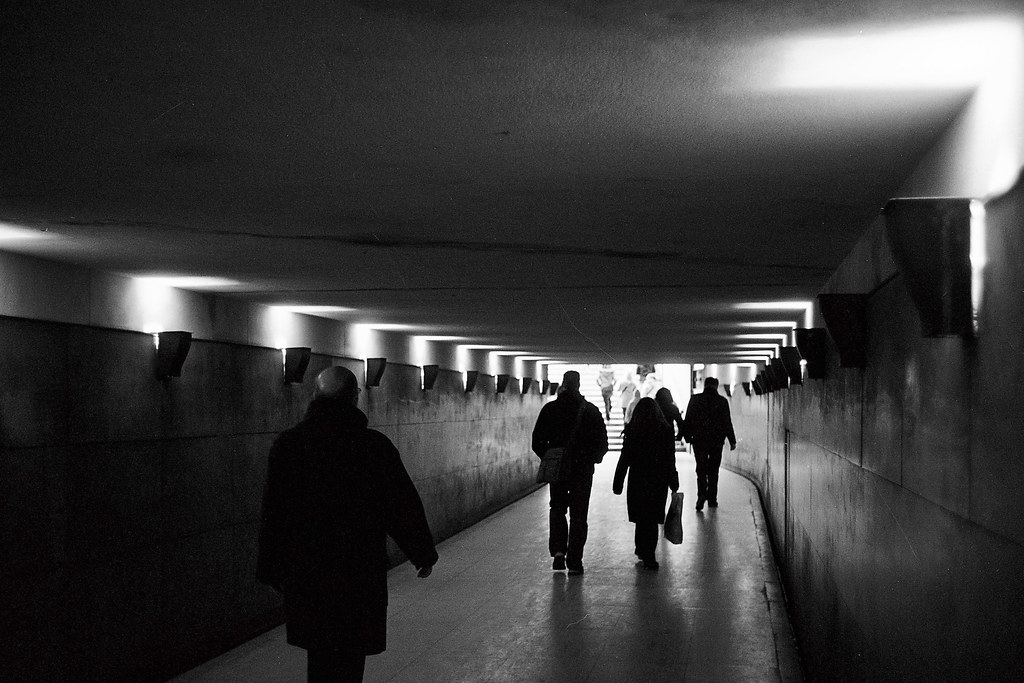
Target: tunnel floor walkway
494 611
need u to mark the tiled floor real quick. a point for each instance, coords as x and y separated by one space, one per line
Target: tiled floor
494 611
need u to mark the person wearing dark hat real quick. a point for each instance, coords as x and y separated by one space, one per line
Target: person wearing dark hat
572 422
706 426
334 491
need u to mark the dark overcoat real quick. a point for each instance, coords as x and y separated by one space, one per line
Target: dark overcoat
335 490
649 456
708 423
555 425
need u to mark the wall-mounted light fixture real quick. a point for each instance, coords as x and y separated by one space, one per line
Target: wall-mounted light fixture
527 384
553 389
295 360
544 386
375 370
171 350
781 373
501 383
931 244
728 390
470 379
746 388
791 358
428 375
812 343
846 318
760 384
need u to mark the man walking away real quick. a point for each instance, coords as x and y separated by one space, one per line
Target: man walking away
572 422
706 426
334 491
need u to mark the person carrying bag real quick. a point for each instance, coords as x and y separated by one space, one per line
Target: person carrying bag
570 437
648 456
556 464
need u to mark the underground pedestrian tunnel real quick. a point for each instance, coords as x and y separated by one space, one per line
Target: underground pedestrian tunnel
820 207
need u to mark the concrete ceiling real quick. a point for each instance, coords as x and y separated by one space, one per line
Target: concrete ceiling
595 181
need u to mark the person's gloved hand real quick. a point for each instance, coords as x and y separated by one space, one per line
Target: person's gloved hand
424 572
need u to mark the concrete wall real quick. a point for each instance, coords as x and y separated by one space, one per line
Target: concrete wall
129 506
894 491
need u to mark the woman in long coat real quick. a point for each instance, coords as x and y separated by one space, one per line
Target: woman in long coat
670 410
649 456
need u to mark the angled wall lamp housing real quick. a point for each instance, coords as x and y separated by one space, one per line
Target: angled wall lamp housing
544 386
791 358
501 383
375 370
812 342
295 360
931 244
553 389
781 373
846 318
428 376
471 378
527 384
171 350
746 388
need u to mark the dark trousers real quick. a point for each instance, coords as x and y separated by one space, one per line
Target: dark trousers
709 459
646 539
571 496
606 394
334 666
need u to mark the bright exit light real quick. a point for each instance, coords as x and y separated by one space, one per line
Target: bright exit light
946 56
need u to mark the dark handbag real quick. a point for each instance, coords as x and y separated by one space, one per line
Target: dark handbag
674 519
557 463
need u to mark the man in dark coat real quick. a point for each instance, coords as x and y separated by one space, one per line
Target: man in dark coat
707 425
572 422
335 490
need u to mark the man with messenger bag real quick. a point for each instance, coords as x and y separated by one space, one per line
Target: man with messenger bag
570 438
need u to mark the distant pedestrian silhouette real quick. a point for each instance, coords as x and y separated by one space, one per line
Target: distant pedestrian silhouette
572 422
334 491
648 456
626 391
606 380
706 426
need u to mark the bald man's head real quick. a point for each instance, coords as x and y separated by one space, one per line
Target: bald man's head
337 382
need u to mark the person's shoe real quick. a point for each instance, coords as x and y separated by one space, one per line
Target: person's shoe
700 504
712 503
558 563
575 569
651 564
